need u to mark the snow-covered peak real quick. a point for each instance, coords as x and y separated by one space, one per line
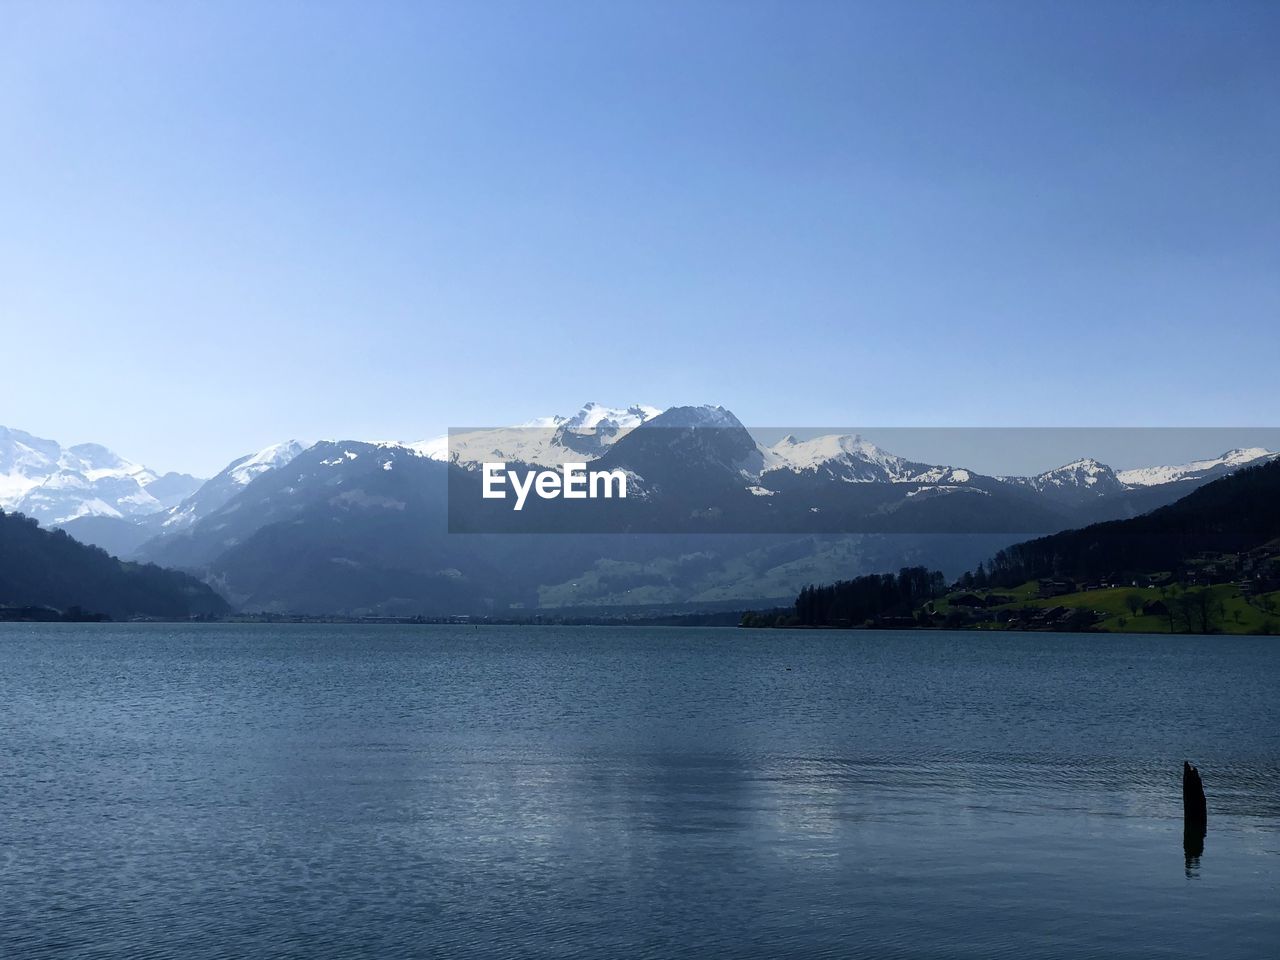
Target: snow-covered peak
806 454
852 458
54 484
594 415
96 461
1231 460
25 461
229 482
701 417
1084 467
1083 474
543 440
244 470
434 449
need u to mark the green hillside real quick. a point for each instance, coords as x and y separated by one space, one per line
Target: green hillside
1222 608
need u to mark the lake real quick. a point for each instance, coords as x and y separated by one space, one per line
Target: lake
455 791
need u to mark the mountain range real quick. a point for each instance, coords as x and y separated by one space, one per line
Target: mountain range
362 527
55 484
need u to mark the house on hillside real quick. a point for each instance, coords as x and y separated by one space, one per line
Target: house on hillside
1055 588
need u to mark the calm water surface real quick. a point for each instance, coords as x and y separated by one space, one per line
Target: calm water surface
336 791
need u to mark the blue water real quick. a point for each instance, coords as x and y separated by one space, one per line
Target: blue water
336 791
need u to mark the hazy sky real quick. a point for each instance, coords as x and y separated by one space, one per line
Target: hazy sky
228 224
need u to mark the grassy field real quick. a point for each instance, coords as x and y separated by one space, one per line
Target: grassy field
1239 615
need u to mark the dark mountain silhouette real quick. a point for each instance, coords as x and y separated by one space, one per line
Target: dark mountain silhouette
48 568
1237 513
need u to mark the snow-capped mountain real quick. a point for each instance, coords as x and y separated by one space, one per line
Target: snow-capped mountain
841 458
1080 476
595 416
545 441
1196 469
851 459
56 484
686 444
368 518
355 480
233 478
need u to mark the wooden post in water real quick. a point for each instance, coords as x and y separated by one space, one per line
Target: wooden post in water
1195 811
1195 817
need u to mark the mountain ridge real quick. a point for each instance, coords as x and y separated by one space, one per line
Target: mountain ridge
55 484
48 568
368 518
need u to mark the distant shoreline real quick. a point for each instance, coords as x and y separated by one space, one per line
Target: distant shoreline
444 622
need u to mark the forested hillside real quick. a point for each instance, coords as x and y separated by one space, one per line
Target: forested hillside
48 568
1233 515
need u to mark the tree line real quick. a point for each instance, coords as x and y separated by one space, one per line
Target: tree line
870 598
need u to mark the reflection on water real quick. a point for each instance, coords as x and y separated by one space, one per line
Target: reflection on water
331 792
1193 835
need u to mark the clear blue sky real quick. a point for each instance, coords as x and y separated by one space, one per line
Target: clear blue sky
226 224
